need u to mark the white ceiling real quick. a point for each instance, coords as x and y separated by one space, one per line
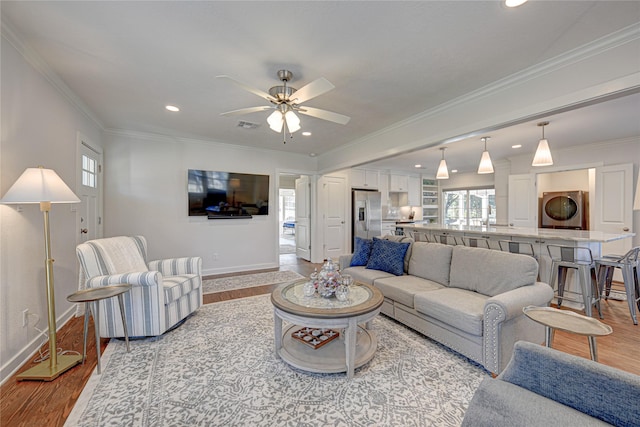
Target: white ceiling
389 60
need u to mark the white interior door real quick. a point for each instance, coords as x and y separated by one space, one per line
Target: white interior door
523 201
335 207
89 190
303 218
614 205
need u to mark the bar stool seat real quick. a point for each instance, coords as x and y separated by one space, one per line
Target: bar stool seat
90 297
581 260
445 239
629 264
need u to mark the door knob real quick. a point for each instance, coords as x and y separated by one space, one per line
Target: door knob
625 229
84 231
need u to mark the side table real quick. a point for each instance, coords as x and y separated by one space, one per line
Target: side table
90 297
568 321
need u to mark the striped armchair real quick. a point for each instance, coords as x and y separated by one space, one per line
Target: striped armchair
163 292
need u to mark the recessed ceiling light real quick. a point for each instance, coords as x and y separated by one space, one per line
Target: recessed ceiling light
418 166
172 108
312 154
307 133
517 146
454 170
514 3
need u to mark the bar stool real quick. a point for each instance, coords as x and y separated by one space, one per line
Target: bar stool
445 239
419 236
475 242
90 297
580 259
629 264
523 248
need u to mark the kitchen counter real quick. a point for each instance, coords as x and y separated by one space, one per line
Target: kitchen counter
533 233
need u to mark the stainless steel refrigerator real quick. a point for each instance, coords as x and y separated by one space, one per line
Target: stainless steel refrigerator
367 215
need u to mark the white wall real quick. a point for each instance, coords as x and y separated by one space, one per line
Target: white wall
146 194
39 127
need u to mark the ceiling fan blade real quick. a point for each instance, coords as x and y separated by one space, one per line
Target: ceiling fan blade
248 88
247 110
313 89
325 115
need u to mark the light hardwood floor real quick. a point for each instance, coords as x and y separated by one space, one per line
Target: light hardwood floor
35 403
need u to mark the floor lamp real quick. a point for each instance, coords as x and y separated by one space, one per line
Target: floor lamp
44 186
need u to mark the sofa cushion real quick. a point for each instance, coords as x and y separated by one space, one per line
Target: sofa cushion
403 288
499 403
363 275
431 261
388 256
361 251
459 308
490 272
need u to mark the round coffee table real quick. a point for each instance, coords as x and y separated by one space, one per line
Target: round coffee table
352 317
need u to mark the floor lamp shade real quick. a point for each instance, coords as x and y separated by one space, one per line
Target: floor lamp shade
37 185
44 186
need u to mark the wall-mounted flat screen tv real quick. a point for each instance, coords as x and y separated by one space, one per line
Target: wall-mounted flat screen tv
219 195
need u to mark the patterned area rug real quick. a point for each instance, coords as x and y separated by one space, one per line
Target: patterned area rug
219 369
210 286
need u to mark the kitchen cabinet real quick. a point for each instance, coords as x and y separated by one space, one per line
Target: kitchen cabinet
365 178
414 191
388 227
399 183
430 204
384 190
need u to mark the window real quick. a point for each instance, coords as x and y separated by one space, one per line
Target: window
89 172
469 206
287 204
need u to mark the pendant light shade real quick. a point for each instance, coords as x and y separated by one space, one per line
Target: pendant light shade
278 118
293 122
443 172
485 166
543 153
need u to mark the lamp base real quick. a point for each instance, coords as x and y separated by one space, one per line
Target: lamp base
44 372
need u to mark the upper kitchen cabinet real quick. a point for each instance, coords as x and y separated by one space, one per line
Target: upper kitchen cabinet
367 179
399 183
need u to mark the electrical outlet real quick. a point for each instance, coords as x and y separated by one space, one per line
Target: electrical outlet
215 256
25 317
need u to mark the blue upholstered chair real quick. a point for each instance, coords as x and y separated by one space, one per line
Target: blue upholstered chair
163 292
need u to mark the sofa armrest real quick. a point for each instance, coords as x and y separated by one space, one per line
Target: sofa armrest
177 266
508 305
600 391
146 278
345 261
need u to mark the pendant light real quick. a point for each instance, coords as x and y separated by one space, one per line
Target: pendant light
485 165
543 154
443 172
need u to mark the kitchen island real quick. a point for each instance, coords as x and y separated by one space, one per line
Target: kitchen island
538 237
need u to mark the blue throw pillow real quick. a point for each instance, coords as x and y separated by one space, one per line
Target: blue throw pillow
388 256
361 252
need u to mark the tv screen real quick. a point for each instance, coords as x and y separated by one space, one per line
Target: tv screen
227 194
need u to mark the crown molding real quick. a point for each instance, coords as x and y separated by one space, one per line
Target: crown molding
35 60
594 48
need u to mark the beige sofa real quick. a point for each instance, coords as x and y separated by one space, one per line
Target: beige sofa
469 299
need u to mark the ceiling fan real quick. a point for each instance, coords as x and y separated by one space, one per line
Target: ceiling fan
286 101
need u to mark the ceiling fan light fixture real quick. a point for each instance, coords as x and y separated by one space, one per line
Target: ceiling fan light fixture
543 153
485 166
293 121
443 172
276 120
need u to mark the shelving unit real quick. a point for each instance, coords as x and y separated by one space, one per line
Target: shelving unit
430 201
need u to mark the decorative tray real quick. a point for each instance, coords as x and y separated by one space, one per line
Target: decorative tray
315 337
